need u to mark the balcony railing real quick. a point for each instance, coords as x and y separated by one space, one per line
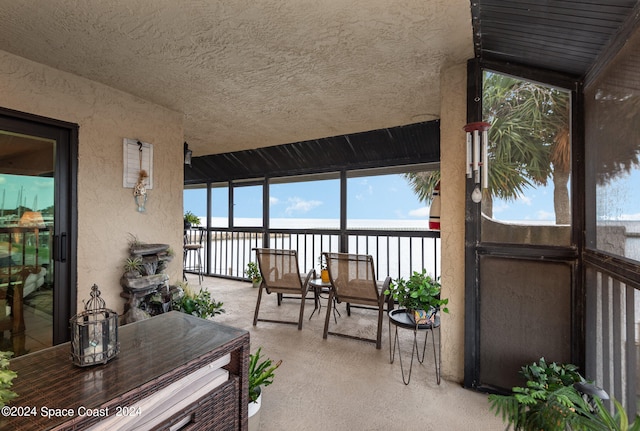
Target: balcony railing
396 253
613 329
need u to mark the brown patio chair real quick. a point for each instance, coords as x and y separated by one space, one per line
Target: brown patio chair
281 275
353 280
12 282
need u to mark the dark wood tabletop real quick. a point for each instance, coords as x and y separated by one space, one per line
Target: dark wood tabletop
153 353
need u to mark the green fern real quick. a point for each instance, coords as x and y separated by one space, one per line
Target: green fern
550 402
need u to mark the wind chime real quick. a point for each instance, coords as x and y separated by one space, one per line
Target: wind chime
478 157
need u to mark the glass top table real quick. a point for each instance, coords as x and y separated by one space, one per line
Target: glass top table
320 286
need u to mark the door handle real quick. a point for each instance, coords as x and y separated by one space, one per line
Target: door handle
63 247
60 247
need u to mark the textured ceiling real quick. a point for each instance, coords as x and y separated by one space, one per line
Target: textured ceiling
250 74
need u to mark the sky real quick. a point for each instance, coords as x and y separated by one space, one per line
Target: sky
389 197
385 197
37 193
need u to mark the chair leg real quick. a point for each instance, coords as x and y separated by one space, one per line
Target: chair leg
437 360
255 315
184 265
379 336
326 319
200 275
304 295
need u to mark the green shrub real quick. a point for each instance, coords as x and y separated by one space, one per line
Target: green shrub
6 379
199 304
551 402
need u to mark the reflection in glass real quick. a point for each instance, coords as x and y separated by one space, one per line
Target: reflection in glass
26 228
612 108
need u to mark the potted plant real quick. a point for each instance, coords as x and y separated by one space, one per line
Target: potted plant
557 398
6 377
133 267
253 273
260 374
420 295
190 219
199 304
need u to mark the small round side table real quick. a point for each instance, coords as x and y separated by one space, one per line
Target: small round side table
400 319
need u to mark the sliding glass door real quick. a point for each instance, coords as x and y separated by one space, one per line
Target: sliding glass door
35 231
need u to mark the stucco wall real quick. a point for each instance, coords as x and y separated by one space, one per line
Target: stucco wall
452 192
107 215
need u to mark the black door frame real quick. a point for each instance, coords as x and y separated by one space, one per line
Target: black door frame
473 246
66 218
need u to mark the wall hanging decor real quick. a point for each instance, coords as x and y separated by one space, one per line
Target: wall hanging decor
138 170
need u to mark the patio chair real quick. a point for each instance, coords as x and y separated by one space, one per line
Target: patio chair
11 298
281 275
354 281
193 244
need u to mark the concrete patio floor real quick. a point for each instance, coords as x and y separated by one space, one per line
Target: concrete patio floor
340 383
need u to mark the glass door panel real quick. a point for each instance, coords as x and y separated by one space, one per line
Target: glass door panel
523 230
27 190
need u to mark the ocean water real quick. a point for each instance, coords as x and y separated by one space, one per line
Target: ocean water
393 256
396 257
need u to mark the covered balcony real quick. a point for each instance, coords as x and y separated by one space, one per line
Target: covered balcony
96 96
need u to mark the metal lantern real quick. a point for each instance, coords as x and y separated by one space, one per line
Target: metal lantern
94 333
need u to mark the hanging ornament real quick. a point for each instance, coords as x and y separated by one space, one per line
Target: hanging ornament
140 189
434 210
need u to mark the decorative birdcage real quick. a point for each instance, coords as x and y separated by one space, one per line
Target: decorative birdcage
94 333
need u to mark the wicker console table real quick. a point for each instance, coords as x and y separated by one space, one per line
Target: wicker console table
53 394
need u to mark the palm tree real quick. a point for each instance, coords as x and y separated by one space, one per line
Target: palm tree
529 139
423 184
529 143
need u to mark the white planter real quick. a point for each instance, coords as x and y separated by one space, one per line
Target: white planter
254 413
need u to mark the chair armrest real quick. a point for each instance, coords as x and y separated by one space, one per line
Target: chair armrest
386 298
305 286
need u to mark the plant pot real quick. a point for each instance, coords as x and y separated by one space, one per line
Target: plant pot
256 283
324 275
419 317
254 413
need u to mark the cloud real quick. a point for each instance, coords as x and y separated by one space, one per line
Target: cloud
273 200
368 191
545 215
525 200
296 205
500 207
419 212
632 217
